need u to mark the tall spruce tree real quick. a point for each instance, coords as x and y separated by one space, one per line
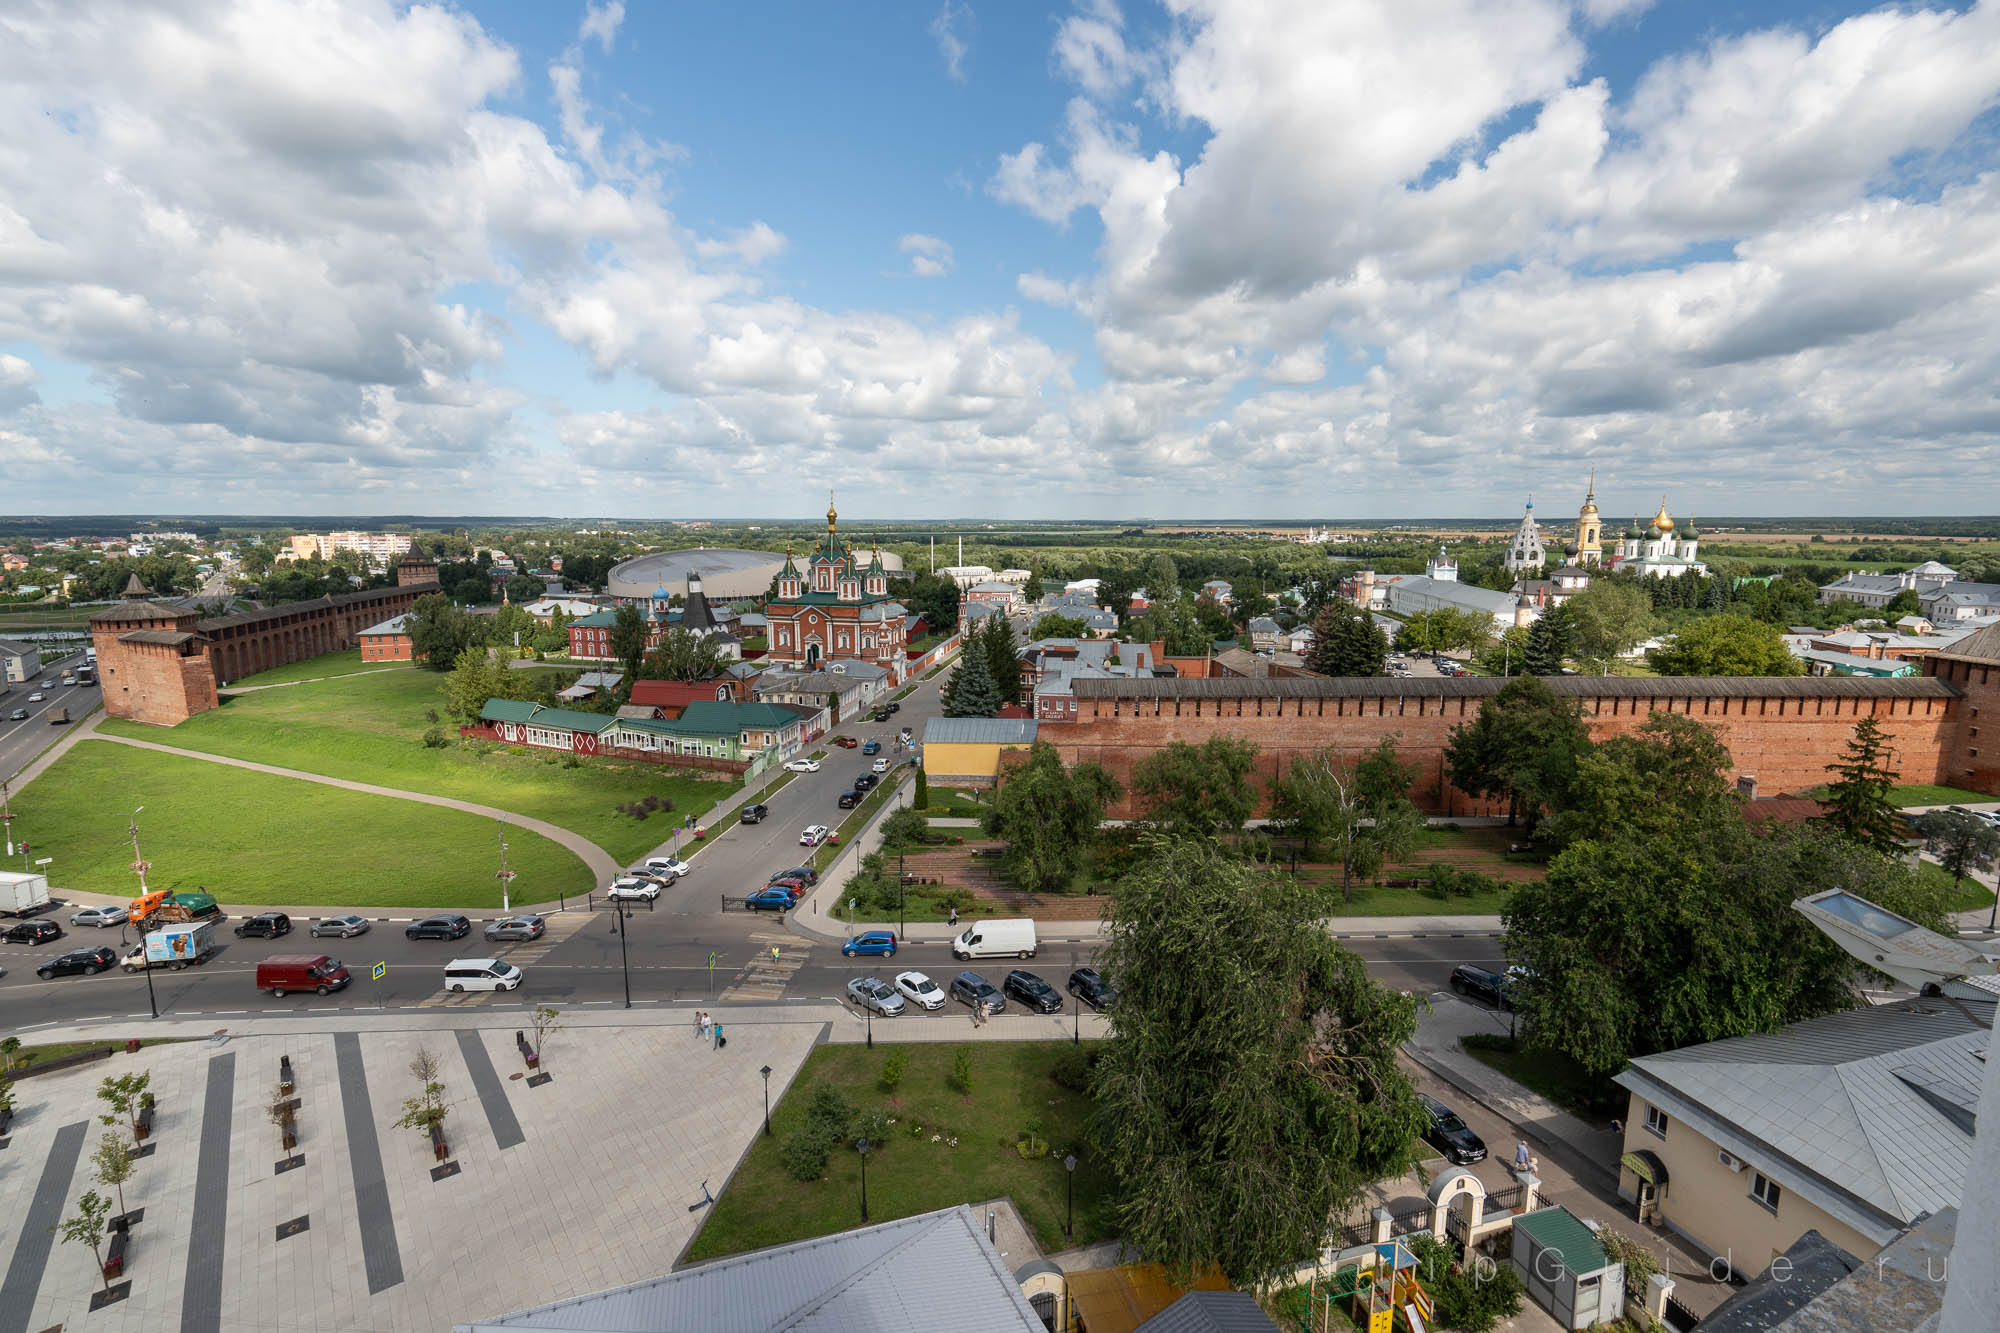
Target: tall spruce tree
971 692
1003 658
1857 802
1551 638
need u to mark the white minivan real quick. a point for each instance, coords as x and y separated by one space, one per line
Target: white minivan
463 974
997 939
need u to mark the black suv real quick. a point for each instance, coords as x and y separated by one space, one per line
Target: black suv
1032 991
449 926
754 814
806 873
264 926
1480 984
850 799
1087 985
32 932
87 961
1444 1131
972 990
866 782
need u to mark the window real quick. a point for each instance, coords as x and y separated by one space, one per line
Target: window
1763 1191
1656 1121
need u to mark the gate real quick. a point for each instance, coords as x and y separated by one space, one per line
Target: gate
1679 1317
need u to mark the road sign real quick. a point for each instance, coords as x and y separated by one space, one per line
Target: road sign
380 969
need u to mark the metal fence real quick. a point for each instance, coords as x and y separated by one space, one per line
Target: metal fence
1679 1317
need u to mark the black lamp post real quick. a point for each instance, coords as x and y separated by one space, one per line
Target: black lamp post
1069 1220
862 1147
152 1000
624 959
868 1016
1076 1016
766 1072
901 889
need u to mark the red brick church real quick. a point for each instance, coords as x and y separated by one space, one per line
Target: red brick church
836 608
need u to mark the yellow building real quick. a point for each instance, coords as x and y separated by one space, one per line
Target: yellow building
965 751
1852 1125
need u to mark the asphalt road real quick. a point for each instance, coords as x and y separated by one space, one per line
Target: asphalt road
20 742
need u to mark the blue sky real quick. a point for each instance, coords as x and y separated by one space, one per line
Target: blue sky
1080 260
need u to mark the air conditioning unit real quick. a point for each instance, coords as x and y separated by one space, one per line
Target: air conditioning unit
1730 1160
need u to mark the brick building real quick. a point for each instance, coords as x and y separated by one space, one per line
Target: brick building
1781 731
387 642
160 663
837 608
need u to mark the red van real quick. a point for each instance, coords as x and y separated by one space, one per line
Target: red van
301 972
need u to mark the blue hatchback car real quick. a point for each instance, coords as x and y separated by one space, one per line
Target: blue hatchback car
770 900
872 747
881 943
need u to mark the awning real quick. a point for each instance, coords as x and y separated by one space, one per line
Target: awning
1642 1163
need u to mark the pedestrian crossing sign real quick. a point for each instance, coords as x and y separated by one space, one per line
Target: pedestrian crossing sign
380 970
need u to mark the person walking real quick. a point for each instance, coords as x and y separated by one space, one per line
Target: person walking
952 920
699 1022
1521 1156
719 1041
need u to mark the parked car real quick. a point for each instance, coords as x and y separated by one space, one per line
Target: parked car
892 707
803 765
1480 984
920 990
850 799
866 782
1032 991
444 926
873 747
87 961
972 990
769 900
754 814
631 889
881 766
845 742
32 932
529 927
879 715
340 927
1087 985
813 835
110 915
649 875
877 994
1444 1131
264 926
668 865
880 943
806 873
795 889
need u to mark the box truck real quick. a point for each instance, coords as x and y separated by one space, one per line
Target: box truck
21 895
173 947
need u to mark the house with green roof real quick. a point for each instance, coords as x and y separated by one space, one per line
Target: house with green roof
714 729
541 727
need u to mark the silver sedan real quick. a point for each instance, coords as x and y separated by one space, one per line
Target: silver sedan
109 915
341 927
877 994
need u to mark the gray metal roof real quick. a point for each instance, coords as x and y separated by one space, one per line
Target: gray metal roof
1851 1111
980 730
13 649
935 1270
1814 1264
1480 687
1211 1312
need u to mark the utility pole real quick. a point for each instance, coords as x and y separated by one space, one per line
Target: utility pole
505 877
138 862
7 818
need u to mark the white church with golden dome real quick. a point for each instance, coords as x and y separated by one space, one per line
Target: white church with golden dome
1661 551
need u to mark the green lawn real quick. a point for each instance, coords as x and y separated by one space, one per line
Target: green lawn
953 804
1550 1073
29 1056
1963 896
1920 795
346 662
369 727
763 1205
252 838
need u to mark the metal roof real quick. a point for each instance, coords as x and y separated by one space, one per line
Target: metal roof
170 638
1559 1229
541 715
1480 687
1981 647
980 730
935 1270
1211 1312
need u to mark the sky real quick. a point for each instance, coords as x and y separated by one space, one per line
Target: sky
1106 259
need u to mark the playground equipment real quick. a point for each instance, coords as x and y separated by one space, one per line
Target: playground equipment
1377 1288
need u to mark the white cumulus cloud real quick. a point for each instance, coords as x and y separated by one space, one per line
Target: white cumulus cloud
929 256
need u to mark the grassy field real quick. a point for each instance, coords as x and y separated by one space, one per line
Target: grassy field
909 1174
1903 797
1963 896
369 727
347 662
252 838
1550 1073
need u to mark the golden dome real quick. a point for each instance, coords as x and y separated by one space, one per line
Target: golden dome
1663 520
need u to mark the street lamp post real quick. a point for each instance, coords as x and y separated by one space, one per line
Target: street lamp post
1069 1219
1076 1016
766 1072
624 960
901 889
506 904
868 1017
862 1147
138 862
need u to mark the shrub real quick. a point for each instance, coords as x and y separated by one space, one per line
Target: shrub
961 1071
1473 1301
828 1108
1443 881
1072 1069
435 739
922 799
893 1067
430 715
871 1125
804 1151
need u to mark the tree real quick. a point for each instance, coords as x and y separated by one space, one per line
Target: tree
1551 638
1243 1127
1857 801
473 680
112 1164
512 626
124 1095
87 1227
1904 603
934 597
1960 840
1506 654
971 692
521 588
1162 580
1670 774
1644 943
1055 625
427 1110
8 1046
1363 810
1613 616
1347 642
1003 658
440 632
1197 790
1049 816
683 654
1725 645
546 1022
628 639
1523 749
1440 631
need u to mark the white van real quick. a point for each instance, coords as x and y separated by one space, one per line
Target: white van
462 974
996 939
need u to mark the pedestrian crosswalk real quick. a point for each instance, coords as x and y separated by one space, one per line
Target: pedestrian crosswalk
561 926
457 999
773 960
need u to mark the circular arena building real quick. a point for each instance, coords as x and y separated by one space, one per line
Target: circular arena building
725 573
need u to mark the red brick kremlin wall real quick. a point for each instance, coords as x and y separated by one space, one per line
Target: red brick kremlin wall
1781 731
